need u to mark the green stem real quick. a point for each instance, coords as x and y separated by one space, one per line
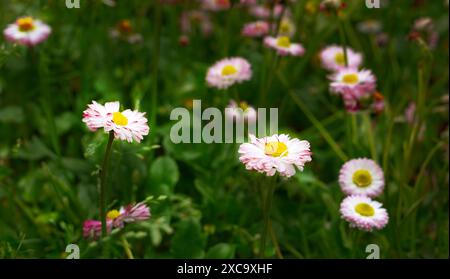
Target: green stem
314 121
370 136
155 56
343 39
39 57
272 72
355 133
267 207
103 172
126 247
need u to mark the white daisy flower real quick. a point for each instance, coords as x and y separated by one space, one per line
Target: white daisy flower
363 213
284 46
353 83
333 58
361 177
127 125
228 71
241 112
277 153
27 31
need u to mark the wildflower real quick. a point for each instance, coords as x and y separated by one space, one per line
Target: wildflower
333 58
124 30
216 5
183 40
117 219
370 26
127 125
255 29
240 112
424 32
378 102
135 213
286 27
332 5
265 12
93 229
27 31
228 71
364 213
284 46
277 153
191 19
248 2
354 84
361 177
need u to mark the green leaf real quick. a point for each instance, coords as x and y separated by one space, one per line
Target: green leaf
188 241
164 174
11 114
221 251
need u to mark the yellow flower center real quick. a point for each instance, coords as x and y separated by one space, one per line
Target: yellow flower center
275 149
243 105
284 41
350 78
120 119
113 214
285 27
25 24
365 209
229 70
339 58
362 178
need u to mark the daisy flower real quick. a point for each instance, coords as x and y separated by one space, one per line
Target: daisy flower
277 153
352 83
361 177
284 46
240 112
255 29
93 229
333 58
286 27
116 219
27 31
363 213
127 125
135 213
190 20
265 12
228 71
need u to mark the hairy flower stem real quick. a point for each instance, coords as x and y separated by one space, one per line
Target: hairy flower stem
343 39
126 247
155 68
266 212
102 190
370 135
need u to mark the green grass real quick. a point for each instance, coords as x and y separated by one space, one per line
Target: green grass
204 203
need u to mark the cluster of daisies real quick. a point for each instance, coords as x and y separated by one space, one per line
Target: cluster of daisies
276 20
361 180
356 86
117 219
